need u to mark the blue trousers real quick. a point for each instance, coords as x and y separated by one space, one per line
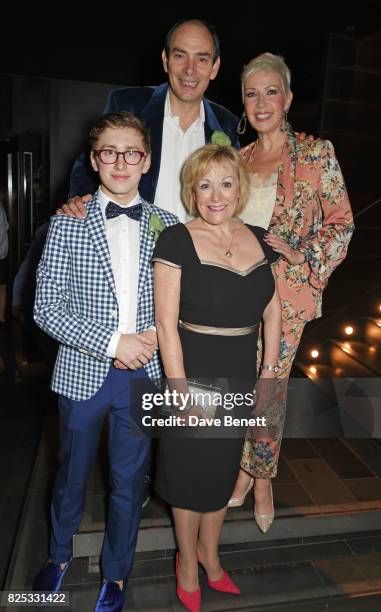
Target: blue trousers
80 429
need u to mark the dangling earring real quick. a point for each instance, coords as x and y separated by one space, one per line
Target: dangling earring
284 126
241 127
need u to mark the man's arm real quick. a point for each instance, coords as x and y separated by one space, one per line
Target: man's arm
52 310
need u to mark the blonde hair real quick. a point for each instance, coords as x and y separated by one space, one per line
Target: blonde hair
123 119
268 62
200 161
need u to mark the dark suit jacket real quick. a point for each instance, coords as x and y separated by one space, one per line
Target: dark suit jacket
148 103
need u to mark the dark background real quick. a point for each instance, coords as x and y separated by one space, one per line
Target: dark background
57 67
122 42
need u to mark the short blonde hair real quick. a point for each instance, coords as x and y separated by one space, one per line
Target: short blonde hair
268 62
123 119
198 164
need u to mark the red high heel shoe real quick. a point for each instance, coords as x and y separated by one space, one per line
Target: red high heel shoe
224 584
191 601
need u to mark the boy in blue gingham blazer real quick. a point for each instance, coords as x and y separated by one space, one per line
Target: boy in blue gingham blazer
76 301
77 304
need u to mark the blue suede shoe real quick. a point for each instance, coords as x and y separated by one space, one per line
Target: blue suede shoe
50 577
110 598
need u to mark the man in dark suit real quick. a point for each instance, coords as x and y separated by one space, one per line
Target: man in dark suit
178 115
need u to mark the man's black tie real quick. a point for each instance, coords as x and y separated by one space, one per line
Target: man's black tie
134 212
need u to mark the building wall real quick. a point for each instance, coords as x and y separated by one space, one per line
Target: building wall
61 111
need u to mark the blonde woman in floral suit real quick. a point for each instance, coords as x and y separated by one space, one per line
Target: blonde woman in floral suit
298 193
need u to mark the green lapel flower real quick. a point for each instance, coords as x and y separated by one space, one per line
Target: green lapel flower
220 138
155 226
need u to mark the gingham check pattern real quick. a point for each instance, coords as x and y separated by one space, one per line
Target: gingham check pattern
76 301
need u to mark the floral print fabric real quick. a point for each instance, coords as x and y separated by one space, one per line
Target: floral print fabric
313 214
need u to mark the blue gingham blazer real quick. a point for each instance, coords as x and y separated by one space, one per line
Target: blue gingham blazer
76 299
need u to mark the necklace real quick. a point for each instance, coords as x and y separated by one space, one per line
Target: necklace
228 252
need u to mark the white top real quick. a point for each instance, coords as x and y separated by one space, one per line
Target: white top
176 147
260 207
123 240
3 233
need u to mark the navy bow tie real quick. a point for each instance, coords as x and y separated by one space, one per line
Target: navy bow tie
134 212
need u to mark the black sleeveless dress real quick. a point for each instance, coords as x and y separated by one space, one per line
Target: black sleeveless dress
197 469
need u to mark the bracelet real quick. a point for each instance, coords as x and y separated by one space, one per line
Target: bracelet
270 368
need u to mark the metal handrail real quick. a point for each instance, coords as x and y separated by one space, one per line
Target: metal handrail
368 207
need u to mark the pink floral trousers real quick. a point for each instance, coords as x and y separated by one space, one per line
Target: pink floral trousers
261 451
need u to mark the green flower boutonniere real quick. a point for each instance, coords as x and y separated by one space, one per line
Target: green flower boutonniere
155 226
220 138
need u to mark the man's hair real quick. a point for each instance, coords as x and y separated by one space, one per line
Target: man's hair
208 26
199 162
123 119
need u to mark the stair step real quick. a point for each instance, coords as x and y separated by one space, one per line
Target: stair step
235 532
323 489
315 371
350 408
301 573
363 357
372 331
280 573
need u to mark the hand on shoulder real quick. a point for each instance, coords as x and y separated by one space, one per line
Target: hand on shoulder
75 207
302 136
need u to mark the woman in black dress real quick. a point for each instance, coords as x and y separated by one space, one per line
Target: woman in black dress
213 286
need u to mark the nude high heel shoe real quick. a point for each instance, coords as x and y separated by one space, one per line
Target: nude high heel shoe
265 520
236 502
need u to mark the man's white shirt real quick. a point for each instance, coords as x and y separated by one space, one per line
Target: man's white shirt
176 148
123 240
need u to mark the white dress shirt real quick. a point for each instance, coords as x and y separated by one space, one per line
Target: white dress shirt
177 145
123 240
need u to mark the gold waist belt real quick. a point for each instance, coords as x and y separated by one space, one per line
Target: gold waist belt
218 331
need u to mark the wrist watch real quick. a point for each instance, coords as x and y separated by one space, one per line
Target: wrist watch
271 368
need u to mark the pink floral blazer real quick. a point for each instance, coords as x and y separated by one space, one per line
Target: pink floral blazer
312 213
